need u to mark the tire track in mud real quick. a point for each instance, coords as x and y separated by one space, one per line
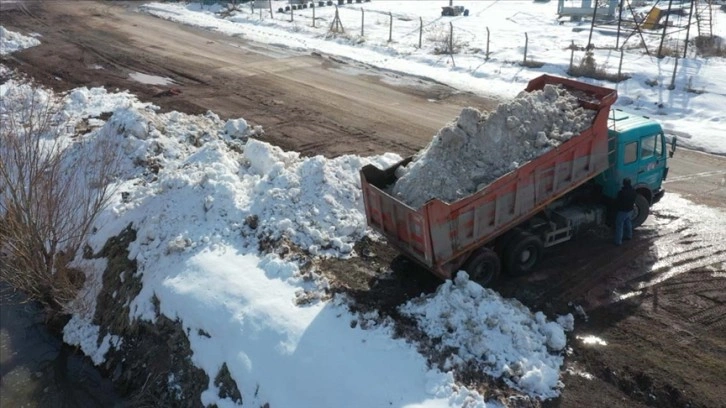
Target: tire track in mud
665 348
658 253
714 316
703 291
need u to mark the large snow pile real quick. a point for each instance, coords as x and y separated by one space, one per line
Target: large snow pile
187 162
499 336
11 41
189 185
475 149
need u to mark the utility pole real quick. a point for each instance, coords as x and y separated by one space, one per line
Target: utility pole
665 28
592 24
620 20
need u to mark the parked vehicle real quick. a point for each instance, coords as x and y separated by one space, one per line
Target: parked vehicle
453 11
544 202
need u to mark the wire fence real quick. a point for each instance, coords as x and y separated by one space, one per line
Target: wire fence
348 19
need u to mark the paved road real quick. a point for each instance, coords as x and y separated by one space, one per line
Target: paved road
699 177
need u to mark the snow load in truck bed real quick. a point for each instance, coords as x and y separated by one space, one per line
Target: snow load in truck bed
477 148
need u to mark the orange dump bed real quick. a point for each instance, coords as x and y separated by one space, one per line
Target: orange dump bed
441 235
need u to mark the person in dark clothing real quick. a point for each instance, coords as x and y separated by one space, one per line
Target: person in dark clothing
624 206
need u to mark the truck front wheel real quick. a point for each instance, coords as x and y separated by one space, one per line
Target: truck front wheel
641 209
523 253
483 266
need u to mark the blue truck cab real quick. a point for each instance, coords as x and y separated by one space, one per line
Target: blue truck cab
636 150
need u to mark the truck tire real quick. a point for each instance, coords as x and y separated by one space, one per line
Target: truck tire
483 266
641 210
522 254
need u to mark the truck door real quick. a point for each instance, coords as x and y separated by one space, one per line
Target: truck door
651 161
628 163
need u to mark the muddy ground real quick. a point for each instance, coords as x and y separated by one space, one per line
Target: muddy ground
666 344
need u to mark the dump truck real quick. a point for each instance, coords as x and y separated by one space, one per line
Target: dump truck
508 223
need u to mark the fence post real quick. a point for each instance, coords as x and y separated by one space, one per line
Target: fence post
260 13
665 28
313 3
451 38
292 14
272 16
572 55
673 78
620 20
620 65
487 54
390 27
420 32
526 43
362 21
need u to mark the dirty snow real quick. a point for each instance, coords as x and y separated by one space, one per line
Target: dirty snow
475 149
150 79
11 41
85 335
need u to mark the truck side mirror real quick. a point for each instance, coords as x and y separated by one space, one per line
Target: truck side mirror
673 146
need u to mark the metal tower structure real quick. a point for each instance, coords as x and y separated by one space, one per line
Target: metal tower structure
704 18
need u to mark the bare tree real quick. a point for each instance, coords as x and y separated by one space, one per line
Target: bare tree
444 40
52 189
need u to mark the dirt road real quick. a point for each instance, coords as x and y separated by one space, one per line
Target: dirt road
309 103
667 344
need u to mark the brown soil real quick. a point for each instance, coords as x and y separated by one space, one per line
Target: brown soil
306 102
666 346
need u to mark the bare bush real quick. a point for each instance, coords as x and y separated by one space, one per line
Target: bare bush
710 46
52 189
443 42
589 68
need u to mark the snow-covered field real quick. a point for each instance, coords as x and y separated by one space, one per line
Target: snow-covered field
692 109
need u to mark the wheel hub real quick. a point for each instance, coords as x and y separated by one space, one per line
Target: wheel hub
525 255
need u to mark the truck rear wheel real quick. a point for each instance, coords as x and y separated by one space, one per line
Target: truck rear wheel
523 253
483 266
641 209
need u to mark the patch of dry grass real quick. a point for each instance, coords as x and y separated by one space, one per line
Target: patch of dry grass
710 46
589 68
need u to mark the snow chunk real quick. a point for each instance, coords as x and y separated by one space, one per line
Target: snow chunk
501 336
315 202
567 322
236 128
